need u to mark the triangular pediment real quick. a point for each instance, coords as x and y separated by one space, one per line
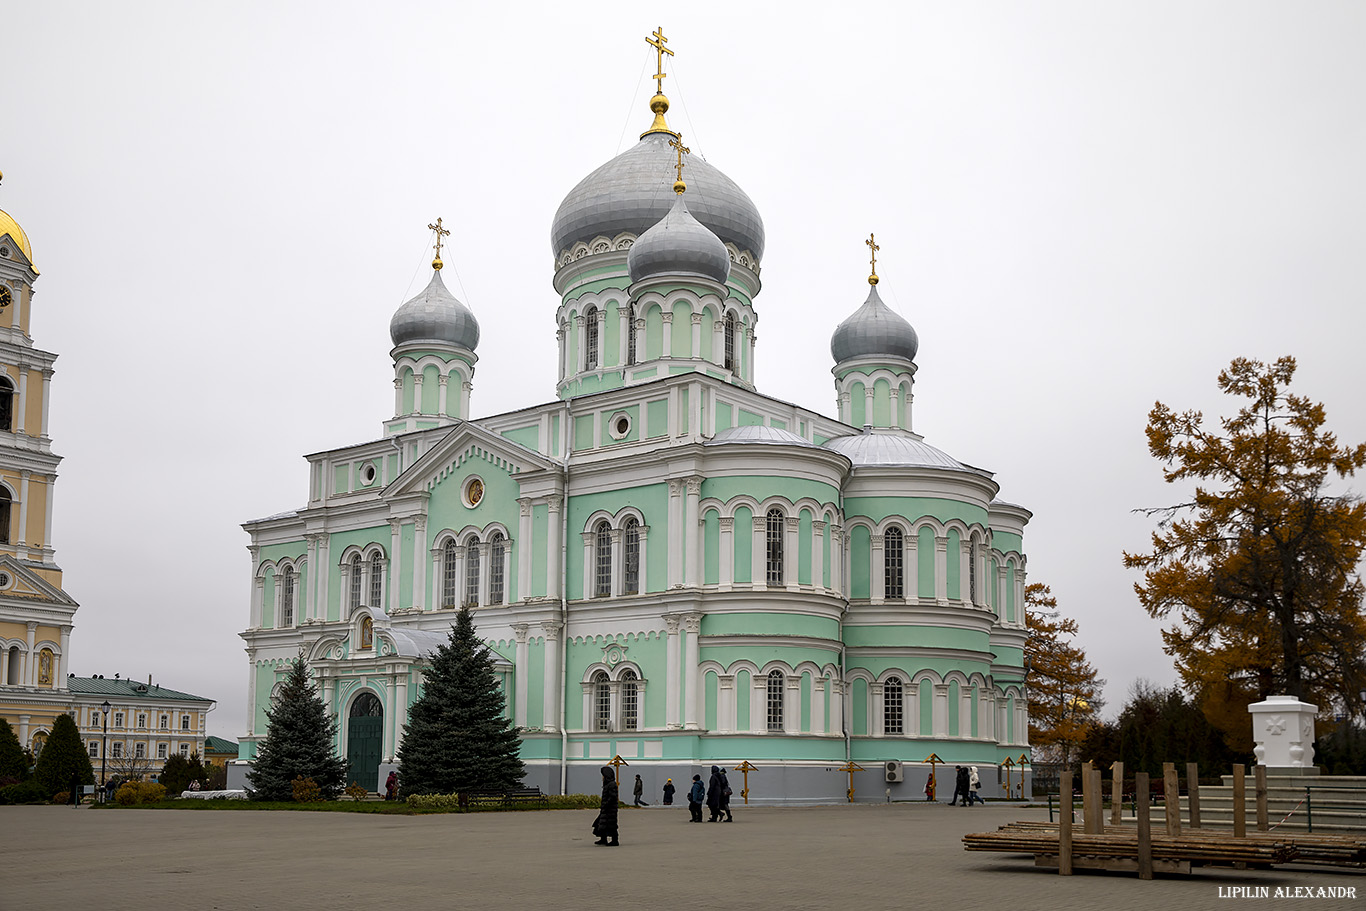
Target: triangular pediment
16 251
25 584
465 442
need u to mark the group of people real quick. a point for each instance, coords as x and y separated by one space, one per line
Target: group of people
966 784
715 794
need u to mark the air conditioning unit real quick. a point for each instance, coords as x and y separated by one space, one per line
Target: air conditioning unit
894 770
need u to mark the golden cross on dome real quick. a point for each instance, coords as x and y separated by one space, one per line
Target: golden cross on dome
658 42
440 233
872 248
679 185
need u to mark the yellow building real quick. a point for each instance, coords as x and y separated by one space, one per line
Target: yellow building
35 614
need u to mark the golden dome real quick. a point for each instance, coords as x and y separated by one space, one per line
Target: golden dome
11 227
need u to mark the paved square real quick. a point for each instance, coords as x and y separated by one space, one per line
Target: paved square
854 857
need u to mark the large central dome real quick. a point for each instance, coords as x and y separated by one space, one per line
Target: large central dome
633 192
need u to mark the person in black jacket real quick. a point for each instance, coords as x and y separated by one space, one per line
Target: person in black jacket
714 794
960 785
725 796
605 826
696 794
669 792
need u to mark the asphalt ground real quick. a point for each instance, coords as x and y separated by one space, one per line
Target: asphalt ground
842 857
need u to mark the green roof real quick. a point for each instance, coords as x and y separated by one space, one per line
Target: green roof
219 745
128 689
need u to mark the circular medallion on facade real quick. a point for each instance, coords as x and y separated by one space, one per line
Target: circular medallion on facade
474 492
613 657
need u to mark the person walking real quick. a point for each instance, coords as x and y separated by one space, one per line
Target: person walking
669 793
639 792
960 785
974 786
391 786
929 786
714 794
696 794
605 826
75 790
725 796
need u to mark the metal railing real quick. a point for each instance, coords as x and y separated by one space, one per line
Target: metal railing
1309 803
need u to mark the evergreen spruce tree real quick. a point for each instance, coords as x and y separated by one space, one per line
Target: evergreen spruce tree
63 755
299 739
13 763
456 738
175 775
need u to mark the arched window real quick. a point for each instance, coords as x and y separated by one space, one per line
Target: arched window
590 339
630 701
730 341
6 404
497 544
367 705
357 564
631 557
12 672
775 700
891 706
776 523
631 335
450 580
5 504
602 576
602 702
376 580
472 572
893 567
287 608
972 572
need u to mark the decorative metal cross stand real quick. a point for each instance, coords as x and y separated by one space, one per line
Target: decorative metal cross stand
851 767
934 761
617 762
744 768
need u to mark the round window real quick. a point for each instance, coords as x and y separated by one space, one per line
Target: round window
367 474
5 580
474 492
619 425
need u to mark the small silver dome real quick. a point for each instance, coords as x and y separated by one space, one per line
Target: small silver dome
631 193
874 329
895 449
758 433
679 245
435 315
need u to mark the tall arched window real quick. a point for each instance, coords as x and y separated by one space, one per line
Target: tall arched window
5 504
893 567
776 530
376 580
602 702
12 673
972 572
472 572
891 706
287 598
357 564
602 576
730 341
590 339
6 404
497 544
631 335
450 578
631 557
775 700
630 701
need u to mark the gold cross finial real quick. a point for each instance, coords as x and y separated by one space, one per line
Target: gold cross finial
657 42
872 248
679 185
440 233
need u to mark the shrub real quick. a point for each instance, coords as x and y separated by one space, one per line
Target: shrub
357 791
24 792
131 793
306 790
61 797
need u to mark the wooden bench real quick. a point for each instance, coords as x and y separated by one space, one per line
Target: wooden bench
503 798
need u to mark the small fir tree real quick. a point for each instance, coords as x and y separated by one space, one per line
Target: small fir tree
63 756
13 763
457 738
299 742
175 774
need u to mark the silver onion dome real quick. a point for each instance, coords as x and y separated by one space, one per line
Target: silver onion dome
435 315
630 194
873 330
679 245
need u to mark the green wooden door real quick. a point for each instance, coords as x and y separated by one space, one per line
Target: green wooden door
365 742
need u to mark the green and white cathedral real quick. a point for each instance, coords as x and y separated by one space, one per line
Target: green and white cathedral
671 566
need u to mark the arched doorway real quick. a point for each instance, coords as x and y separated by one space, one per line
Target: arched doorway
364 741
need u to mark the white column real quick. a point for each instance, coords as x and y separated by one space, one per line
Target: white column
521 673
623 327
4 665
837 689
276 618
394 564
693 557
696 336
324 574
563 353
877 705
640 341
868 405
837 560
398 410
589 569
965 570
671 672
675 577
50 491
390 718
401 714
444 382
47 397
758 704
22 537
941 569
792 704
818 705
842 405
29 677
911 709
668 334
727 553
895 410
877 575
1019 595
618 563
644 563
418 377
791 555
507 572
758 552
251 691
692 627
484 574
941 710
1001 592
818 555
550 710
913 565
552 557
965 711
582 337
308 609
22 412
602 338
749 361
524 547
60 681
438 580
718 342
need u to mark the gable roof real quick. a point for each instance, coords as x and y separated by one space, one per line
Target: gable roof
214 744
129 689
28 585
451 451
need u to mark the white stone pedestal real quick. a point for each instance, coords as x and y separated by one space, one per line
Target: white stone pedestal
1283 730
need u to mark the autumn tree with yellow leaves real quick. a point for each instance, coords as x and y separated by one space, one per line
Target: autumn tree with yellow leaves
1258 570
1063 688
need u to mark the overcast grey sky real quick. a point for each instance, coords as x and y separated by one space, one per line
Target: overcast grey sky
1082 207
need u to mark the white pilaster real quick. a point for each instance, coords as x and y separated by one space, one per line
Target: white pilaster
758 552
668 334
818 555
524 545
47 399
590 569
792 704
941 569
22 537
520 675
725 703
692 627
443 384
484 574
837 689
21 414
672 664
552 557
395 542
837 559
818 705
877 704
727 552
675 577
792 524
550 711
877 571
696 336
692 558
941 710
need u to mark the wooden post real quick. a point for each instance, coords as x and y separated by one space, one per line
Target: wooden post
1142 796
1098 788
1239 801
1193 792
1065 824
1171 796
1260 775
1117 793
1088 799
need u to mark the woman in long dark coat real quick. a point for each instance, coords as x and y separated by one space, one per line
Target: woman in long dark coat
714 794
605 826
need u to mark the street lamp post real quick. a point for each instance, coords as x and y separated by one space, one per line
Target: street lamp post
104 746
